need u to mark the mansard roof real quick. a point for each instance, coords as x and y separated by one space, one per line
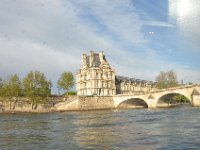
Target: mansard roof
128 80
96 62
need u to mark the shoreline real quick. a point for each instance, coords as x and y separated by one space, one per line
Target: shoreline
56 111
63 104
56 104
78 110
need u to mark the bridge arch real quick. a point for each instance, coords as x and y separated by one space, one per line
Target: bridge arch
166 98
133 103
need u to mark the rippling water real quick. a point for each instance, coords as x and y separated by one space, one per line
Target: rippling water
173 128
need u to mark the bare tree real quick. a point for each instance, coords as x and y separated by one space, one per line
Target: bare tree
161 80
171 78
166 79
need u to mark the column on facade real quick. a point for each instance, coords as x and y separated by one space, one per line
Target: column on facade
91 58
109 75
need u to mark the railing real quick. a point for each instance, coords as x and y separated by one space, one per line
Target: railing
161 90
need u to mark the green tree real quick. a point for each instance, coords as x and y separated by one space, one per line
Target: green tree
1 82
66 81
12 89
1 86
190 83
180 98
166 79
36 87
71 93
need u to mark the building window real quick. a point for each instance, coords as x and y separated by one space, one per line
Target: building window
106 74
80 77
95 84
97 75
85 77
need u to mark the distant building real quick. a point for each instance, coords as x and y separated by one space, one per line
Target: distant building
125 85
96 77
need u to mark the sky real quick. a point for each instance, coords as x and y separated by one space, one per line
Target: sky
139 38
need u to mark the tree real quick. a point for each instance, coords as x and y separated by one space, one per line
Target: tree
71 93
1 86
171 78
15 85
66 81
190 83
12 88
1 82
166 79
161 80
180 98
36 87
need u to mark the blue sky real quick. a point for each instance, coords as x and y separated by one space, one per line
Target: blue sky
139 37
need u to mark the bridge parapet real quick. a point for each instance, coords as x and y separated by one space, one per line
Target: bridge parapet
192 92
161 90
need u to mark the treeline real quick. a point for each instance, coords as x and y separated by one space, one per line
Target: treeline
34 86
168 79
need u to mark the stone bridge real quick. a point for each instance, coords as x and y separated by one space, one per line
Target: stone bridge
154 99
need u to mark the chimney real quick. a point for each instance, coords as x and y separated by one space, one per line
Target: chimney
84 61
101 56
91 58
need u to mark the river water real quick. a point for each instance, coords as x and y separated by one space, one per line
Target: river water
172 128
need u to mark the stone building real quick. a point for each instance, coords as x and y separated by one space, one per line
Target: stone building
126 85
96 77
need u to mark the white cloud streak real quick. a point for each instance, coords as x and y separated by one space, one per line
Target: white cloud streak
158 24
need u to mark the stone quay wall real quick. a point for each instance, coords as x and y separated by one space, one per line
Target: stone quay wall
57 104
81 103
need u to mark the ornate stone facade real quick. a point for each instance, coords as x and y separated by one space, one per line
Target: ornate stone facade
125 85
96 77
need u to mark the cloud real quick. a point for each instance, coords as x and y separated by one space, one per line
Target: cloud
50 36
158 24
117 19
23 56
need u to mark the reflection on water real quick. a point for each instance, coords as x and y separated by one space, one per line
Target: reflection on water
176 128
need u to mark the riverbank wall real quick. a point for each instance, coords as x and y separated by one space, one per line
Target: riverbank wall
70 103
56 104
81 103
